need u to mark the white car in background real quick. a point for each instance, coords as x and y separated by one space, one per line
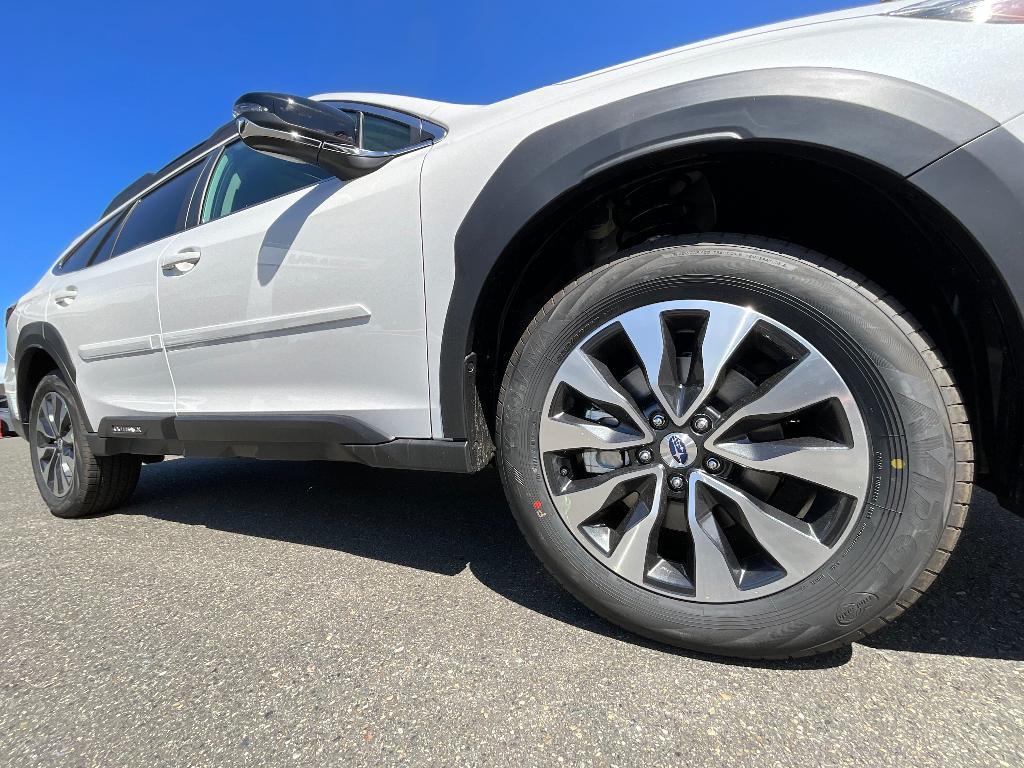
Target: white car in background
739 323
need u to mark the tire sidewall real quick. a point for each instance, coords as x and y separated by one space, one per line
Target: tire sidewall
911 446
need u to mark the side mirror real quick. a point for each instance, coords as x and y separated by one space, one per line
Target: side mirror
304 131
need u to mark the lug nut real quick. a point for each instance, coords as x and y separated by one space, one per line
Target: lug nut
644 455
658 421
712 465
701 424
676 482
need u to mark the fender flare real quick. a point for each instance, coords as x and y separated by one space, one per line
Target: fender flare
43 337
897 125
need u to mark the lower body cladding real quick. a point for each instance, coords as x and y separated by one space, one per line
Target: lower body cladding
282 437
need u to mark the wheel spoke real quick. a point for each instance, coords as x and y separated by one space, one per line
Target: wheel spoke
822 462
646 332
727 326
584 499
714 563
58 416
809 382
629 559
58 475
818 461
45 420
790 541
564 432
50 469
589 377
592 379
45 457
67 469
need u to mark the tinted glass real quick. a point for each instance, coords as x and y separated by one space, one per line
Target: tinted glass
383 135
244 177
98 240
160 213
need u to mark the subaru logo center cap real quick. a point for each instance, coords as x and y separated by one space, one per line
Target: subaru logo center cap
678 450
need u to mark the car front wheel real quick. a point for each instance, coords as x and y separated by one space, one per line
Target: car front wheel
736 446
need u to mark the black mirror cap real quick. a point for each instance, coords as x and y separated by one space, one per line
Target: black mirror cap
305 131
312 118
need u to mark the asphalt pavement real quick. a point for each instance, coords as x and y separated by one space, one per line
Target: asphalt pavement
250 613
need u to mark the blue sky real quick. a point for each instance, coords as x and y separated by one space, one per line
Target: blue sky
98 93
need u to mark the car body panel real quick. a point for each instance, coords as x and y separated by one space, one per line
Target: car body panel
111 330
312 301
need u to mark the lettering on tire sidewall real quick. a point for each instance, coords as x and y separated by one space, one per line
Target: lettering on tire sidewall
853 606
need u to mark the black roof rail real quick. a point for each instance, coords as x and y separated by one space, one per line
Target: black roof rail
185 158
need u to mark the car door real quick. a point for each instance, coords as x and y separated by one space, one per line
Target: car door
296 293
103 305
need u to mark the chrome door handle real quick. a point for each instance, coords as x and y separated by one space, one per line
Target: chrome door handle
65 297
181 262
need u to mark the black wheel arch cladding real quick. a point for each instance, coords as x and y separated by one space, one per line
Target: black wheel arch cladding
44 338
892 123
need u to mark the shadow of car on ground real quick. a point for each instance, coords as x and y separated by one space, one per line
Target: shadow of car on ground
446 523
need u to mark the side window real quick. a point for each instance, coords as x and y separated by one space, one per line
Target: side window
159 214
383 135
244 177
100 240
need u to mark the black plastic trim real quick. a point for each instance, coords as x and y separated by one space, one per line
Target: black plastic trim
892 123
43 337
186 158
283 437
242 428
981 186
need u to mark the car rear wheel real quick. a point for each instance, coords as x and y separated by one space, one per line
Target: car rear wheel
738 447
72 481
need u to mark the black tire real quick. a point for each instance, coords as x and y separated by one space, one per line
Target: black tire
907 527
99 484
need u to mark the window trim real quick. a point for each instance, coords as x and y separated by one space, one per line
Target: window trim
115 233
111 236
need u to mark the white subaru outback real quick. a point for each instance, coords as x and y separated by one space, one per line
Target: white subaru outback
739 323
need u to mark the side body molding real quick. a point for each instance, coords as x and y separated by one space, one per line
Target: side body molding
892 123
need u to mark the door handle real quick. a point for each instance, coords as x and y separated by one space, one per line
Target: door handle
180 263
65 297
